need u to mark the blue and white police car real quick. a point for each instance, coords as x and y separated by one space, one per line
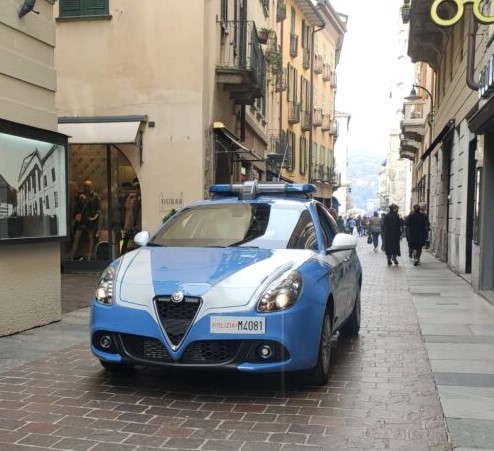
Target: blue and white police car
255 279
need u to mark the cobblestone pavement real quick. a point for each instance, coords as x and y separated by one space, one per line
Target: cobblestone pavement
381 395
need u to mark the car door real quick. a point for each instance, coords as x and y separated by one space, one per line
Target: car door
336 261
350 261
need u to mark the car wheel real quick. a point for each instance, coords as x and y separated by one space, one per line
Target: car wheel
352 326
320 373
115 367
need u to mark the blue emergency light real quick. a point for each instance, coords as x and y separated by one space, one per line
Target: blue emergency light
253 189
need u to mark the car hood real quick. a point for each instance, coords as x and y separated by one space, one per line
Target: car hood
226 276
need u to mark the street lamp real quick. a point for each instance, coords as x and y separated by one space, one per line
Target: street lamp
414 96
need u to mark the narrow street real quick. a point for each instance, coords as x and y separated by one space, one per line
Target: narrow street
382 394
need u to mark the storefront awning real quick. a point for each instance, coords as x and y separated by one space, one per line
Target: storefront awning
236 147
443 134
102 130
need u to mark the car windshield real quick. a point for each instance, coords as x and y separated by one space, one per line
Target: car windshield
260 225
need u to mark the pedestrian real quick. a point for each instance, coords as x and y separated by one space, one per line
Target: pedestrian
423 210
383 237
351 225
392 232
375 229
417 233
341 223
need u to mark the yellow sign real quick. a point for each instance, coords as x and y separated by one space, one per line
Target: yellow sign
460 7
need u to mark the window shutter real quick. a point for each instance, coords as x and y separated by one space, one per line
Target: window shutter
70 8
96 7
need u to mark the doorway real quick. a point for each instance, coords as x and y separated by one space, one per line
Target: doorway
104 207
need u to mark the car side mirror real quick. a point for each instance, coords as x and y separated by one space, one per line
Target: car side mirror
142 238
342 242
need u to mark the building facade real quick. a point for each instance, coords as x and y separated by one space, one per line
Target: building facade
32 169
454 168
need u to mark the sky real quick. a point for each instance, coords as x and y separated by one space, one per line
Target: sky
365 71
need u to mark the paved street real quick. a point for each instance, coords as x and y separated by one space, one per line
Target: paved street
422 326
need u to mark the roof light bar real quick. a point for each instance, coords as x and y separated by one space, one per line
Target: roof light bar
253 189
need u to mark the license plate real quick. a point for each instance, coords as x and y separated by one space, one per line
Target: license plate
237 325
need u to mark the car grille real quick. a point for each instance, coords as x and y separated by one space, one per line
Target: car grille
199 352
218 351
176 318
145 348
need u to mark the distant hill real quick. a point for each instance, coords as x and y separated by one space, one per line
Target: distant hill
363 175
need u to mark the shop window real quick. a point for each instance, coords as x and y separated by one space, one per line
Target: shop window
27 158
74 8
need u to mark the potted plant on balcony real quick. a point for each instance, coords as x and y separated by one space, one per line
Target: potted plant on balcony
263 35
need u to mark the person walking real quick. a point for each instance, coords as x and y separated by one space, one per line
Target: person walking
375 229
417 233
392 232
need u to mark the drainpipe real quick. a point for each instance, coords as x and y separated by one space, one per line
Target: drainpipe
471 83
311 100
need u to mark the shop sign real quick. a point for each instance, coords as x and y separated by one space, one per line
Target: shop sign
168 201
486 79
459 7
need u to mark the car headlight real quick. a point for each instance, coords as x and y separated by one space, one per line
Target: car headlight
281 293
104 290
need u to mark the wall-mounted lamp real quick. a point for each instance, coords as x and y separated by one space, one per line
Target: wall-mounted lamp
414 96
27 7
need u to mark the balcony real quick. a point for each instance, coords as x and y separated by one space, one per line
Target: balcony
326 72
326 122
335 179
333 128
293 45
333 80
305 121
280 81
317 172
318 64
427 41
280 11
305 58
241 69
408 149
278 149
293 112
414 120
317 117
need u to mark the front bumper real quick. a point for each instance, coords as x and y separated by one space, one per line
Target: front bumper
288 344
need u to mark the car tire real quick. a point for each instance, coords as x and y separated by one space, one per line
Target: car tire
319 375
114 367
352 326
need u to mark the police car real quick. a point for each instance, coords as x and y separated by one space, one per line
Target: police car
255 279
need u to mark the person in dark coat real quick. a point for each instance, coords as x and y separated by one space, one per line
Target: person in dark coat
392 231
417 233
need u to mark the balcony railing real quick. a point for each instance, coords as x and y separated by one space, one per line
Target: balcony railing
293 112
317 172
280 81
333 81
240 66
304 121
305 58
326 122
414 120
293 45
318 64
333 128
326 72
317 117
278 152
